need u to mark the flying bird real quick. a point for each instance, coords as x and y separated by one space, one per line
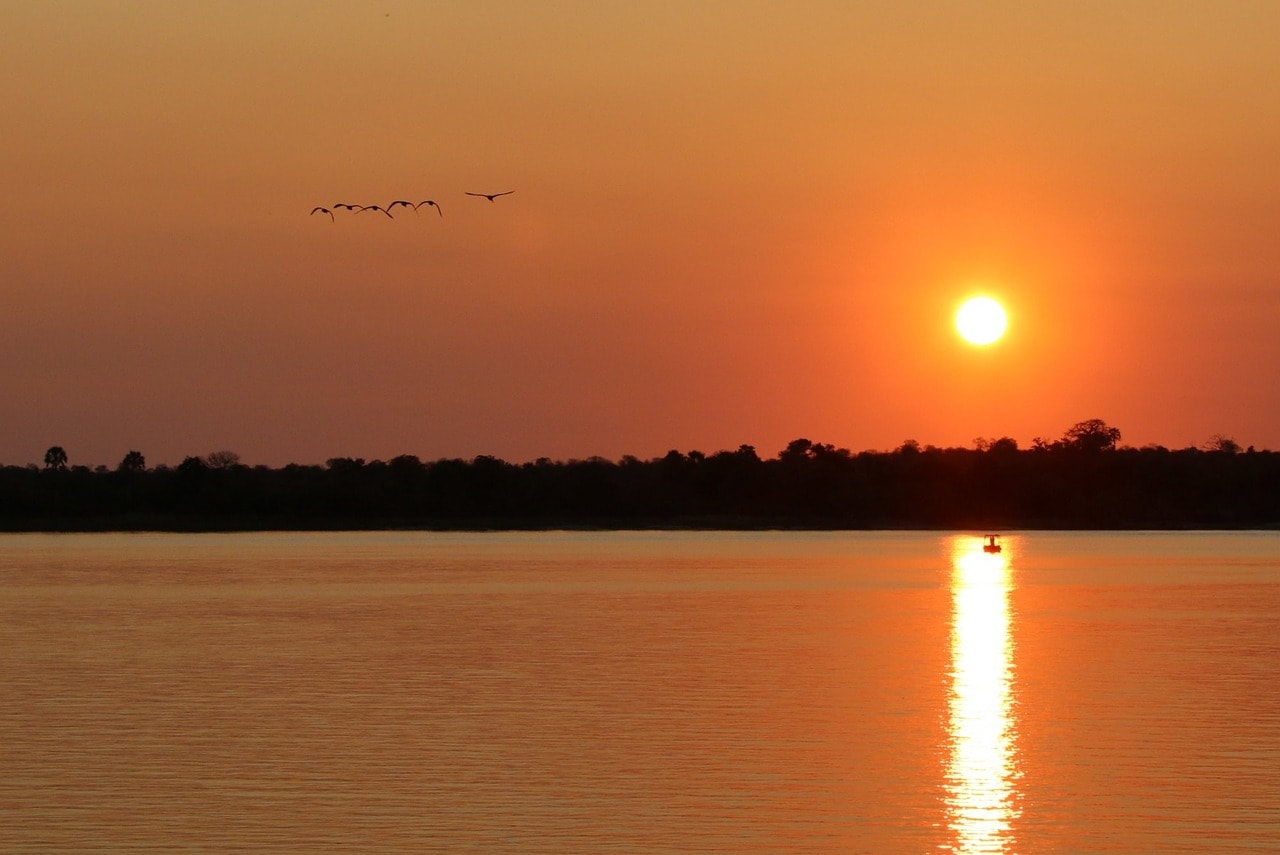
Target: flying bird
323 211
430 202
490 196
364 208
402 202
349 207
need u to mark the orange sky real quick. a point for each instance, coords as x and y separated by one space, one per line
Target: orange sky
733 223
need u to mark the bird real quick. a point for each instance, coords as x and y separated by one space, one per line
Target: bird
323 211
346 205
430 202
402 202
490 196
364 208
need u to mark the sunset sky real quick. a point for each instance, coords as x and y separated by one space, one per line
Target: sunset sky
733 223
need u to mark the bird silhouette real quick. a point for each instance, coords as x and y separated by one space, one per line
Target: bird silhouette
490 196
364 208
323 211
430 202
349 207
402 202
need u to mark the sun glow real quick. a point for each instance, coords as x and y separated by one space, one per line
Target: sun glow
982 768
981 320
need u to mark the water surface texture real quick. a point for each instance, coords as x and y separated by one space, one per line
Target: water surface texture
640 692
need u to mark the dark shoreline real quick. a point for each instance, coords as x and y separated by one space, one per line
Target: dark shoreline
185 526
1063 486
581 529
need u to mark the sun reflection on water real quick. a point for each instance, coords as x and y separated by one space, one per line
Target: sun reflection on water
981 766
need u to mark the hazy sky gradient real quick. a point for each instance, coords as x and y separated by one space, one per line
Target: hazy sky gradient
734 222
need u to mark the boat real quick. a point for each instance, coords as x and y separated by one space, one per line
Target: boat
992 544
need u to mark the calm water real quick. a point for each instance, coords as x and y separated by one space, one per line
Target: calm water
640 692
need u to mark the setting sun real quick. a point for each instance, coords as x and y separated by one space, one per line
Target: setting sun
981 320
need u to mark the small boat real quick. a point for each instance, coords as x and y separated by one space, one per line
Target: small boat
992 544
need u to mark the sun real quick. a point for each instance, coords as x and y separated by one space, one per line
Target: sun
981 320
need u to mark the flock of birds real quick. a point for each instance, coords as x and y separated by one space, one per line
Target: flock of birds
358 209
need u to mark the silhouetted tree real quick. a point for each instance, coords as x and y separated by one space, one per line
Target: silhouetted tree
1003 445
1091 435
222 460
1225 444
192 464
796 451
133 462
406 463
55 458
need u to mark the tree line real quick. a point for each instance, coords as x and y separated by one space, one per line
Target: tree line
1085 479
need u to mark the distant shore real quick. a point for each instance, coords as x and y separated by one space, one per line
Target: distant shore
161 527
809 486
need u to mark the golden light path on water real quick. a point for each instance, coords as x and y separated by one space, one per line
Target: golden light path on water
982 762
